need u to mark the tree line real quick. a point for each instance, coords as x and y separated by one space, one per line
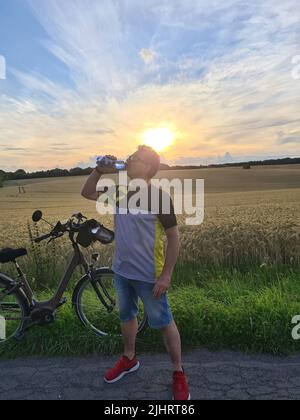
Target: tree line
21 174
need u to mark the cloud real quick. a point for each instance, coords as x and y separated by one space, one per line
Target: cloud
222 82
16 149
102 132
289 138
148 55
2 68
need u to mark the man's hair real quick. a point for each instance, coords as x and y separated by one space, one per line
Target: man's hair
153 159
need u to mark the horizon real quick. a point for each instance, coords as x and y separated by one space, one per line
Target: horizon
203 84
208 166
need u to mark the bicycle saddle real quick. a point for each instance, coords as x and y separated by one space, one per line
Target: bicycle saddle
9 255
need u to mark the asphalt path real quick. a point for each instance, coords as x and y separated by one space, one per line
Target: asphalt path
212 376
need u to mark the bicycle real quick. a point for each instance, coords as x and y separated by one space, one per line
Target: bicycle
94 297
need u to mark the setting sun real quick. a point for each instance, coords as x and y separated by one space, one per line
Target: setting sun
159 138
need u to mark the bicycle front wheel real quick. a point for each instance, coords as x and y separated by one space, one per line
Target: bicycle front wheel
96 305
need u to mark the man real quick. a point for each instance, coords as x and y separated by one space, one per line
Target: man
143 270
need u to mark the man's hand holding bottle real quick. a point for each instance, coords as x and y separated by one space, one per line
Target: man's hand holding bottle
105 164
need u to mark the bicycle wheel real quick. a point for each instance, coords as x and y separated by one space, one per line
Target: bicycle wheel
13 310
92 312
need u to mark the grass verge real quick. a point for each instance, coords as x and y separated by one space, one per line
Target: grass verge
247 309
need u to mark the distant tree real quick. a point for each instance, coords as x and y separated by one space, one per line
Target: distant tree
20 174
247 166
76 171
88 171
58 172
3 177
82 172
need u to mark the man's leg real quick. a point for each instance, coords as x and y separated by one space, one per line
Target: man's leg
129 363
129 333
128 305
159 315
181 389
172 342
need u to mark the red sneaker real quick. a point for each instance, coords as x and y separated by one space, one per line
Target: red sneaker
181 389
122 368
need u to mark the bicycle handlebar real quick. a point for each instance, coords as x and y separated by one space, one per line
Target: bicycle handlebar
60 229
42 238
88 231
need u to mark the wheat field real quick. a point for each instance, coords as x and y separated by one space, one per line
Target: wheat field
251 216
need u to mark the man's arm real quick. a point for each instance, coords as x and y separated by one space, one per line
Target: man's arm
89 191
163 284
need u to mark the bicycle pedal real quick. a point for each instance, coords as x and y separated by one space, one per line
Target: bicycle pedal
20 336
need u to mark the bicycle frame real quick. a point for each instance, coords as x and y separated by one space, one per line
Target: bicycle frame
52 304
43 313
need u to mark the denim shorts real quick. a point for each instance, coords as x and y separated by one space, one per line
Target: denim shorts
129 291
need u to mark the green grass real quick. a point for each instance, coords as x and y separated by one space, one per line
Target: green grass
249 310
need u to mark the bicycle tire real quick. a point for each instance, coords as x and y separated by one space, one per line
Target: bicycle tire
112 320
21 303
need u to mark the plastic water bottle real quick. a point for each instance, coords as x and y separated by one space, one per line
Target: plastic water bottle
119 165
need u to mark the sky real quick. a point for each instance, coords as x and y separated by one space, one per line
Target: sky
82 78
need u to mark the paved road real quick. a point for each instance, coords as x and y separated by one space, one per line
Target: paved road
224 375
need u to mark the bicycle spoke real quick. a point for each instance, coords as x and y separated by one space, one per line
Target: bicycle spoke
11 314
12 319
94 314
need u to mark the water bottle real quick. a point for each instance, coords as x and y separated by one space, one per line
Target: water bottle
119 165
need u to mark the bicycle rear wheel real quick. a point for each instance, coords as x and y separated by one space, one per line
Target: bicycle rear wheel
13 310
87 300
